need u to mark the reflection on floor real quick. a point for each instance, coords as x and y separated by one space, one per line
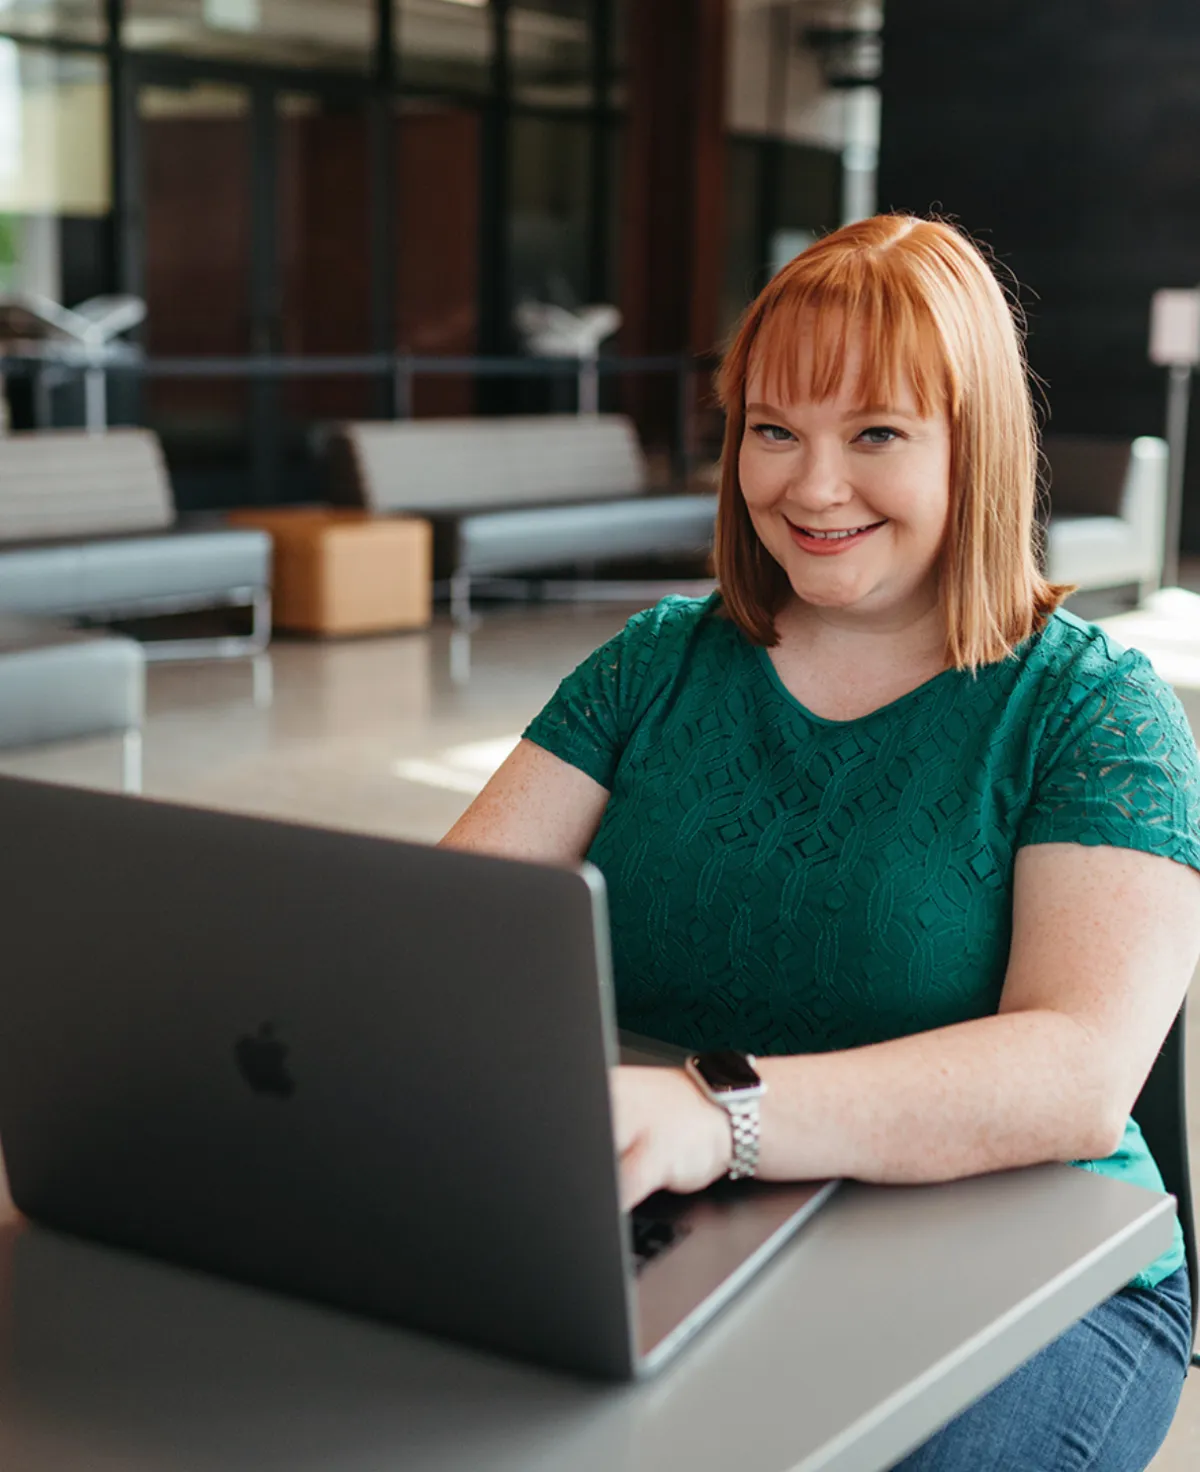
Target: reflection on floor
374 735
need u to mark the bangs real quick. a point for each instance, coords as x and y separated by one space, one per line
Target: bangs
845 313
878 311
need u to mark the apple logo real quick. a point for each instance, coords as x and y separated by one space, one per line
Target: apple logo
261 1060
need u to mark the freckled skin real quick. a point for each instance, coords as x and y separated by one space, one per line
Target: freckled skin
836 465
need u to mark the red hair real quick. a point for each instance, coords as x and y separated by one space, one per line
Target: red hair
925 300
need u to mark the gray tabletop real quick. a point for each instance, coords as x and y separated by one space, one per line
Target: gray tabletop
890 1311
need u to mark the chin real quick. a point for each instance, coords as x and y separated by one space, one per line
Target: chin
831 592
823 598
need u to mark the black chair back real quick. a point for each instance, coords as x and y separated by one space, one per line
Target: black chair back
1161 1112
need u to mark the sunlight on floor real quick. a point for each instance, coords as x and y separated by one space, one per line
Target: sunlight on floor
463 768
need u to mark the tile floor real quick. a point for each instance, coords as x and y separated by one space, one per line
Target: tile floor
374 735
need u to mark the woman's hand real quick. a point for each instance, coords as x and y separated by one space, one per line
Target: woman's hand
668 1134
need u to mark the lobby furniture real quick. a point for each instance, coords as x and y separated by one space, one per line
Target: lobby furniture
89 531
1108 507
518 495
344 571
57 684
891 1311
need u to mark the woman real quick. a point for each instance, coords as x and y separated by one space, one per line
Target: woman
882 814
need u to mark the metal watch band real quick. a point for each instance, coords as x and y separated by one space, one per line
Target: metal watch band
743 1122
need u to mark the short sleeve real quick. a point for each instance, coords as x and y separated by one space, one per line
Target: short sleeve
1121 770
590 718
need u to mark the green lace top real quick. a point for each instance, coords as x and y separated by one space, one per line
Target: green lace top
783 883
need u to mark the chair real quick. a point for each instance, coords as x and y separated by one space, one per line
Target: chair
1161 1113
1108 503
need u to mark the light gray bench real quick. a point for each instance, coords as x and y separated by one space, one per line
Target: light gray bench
88 530
57 684
518 495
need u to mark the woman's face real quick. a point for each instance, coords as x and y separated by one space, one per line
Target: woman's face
881 473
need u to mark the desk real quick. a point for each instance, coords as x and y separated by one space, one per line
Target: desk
890 1311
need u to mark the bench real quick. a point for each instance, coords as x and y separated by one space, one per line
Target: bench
57 684
518 495
88 531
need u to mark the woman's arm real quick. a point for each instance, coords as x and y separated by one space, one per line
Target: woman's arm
1104 944
535 807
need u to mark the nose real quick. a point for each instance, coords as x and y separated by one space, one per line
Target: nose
818 480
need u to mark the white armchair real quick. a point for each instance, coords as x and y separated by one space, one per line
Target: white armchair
1108 501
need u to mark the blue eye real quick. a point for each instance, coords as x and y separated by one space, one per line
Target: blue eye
879 434
774 434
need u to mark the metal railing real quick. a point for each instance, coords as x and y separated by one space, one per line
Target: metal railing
397 373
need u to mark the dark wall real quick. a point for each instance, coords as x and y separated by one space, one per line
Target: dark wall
1066 134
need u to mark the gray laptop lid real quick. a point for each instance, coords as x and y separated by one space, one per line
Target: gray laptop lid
319 1062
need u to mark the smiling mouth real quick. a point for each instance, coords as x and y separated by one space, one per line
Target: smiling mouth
839 534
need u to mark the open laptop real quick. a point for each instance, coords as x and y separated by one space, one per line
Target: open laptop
366 1072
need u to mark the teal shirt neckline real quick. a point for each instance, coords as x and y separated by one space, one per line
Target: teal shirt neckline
767 664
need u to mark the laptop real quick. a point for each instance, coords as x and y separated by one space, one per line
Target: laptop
361 1071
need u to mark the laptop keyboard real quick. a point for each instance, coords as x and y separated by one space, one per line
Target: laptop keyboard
650 1235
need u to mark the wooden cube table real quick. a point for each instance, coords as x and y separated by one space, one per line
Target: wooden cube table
346 572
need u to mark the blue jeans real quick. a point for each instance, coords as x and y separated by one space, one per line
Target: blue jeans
1100 1398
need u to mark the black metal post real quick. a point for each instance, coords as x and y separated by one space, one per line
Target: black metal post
495 292
118 140
384 235
600 199
263 428
125 266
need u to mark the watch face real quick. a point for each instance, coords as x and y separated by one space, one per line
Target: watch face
726 1071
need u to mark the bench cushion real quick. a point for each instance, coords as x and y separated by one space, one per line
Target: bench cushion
1098 552
128 573
69 483
56 684
553 536
441 466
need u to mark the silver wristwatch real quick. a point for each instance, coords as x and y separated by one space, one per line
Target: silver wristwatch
729 1079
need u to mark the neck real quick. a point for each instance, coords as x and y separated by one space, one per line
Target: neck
909 636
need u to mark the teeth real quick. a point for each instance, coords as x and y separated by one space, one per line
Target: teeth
851 532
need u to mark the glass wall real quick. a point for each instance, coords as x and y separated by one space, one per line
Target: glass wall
550 51
437 232
263 204
548 214
55 175
193 191
67 20
444 45
804 121
279 32
320 300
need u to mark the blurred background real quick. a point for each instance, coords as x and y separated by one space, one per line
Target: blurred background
349 177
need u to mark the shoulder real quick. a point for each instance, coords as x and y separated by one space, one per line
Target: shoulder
1070 649
1091 687
644 658
673 619
666 632
1073 662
